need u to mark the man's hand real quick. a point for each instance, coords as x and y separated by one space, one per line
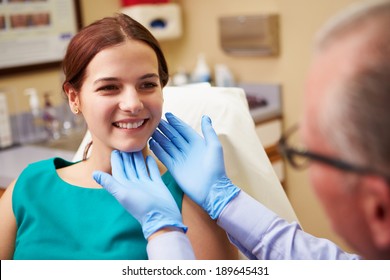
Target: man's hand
141 191
195 162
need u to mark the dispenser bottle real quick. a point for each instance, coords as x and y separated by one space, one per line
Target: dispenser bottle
32 127
201 73
180 78
33 101
223 76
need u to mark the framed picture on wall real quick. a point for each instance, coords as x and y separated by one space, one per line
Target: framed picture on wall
34 34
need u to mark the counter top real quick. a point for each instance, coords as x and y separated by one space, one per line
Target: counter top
14 160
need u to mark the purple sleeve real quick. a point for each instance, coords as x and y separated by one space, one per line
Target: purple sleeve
260 234
173 245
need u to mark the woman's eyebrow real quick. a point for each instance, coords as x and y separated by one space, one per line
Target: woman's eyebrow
111 79
105 79
149 75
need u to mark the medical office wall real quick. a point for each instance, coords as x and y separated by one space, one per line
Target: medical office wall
298 21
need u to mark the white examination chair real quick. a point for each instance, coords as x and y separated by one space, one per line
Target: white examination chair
246 162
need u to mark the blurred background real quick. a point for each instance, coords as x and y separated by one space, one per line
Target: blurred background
200 42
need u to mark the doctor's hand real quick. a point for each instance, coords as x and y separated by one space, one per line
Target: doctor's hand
195 162
144 196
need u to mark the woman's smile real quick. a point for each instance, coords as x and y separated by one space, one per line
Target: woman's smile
129 124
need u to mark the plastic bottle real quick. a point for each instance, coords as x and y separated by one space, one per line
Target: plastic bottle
180 78
34 131
33 101
223 76
201 73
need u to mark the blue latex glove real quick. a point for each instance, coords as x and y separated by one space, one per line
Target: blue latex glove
195 162
144 196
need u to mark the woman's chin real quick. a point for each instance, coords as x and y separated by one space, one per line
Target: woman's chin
131 149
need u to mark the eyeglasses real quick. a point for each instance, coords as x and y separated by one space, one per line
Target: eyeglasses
300 158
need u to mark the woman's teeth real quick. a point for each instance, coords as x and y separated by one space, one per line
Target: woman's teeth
128 125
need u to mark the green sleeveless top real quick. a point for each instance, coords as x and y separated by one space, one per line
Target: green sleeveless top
59 221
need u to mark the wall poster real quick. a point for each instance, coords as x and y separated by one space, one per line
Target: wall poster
35 33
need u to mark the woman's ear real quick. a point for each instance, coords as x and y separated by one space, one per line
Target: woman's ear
376 206
73 98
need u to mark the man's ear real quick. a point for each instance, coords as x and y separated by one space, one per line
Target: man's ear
73 97
376 206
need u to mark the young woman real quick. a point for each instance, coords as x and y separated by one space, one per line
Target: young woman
114 74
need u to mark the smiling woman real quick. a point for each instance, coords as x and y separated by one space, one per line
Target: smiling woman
120 96
114 74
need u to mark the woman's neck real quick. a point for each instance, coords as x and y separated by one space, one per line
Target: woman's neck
80 174
100 159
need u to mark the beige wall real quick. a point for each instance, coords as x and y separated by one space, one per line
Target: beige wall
299 20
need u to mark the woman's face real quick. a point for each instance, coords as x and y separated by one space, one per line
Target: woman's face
121 97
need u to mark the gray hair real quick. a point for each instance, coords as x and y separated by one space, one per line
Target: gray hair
350 20
356 116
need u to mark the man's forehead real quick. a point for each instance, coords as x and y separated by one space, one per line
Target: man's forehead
329 70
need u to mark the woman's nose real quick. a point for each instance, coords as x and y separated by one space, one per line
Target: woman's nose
130 102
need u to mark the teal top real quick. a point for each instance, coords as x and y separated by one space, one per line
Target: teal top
59 221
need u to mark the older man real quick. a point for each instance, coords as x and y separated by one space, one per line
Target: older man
345 144
347 119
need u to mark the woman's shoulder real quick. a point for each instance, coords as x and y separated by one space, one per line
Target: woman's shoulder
34 168
45 165
37 174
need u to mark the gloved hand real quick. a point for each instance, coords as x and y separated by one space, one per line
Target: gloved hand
196 164
144 196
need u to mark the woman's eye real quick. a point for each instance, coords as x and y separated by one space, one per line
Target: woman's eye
108 88
149 85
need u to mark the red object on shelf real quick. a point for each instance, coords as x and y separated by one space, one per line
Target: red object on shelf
138 2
